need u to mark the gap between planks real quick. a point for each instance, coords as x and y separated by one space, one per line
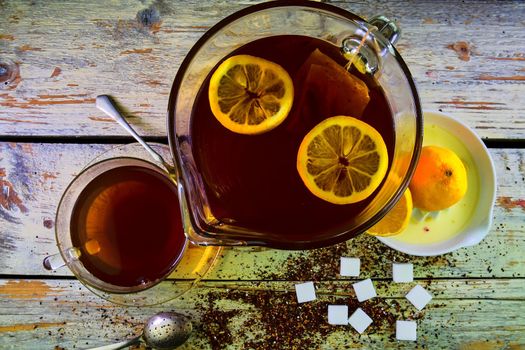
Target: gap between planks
124 139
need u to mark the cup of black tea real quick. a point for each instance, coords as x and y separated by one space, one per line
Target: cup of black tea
119 229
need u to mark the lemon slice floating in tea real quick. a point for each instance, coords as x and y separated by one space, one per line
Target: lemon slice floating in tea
396 220
250 95
342 160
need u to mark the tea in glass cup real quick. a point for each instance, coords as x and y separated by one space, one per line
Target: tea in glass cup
127 226
119 225
119 229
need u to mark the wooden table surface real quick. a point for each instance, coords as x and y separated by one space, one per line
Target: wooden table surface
468 60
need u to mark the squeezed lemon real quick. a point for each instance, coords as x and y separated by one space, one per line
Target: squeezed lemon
434 227
440 179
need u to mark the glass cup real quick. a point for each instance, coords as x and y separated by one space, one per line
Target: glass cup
186 267
356 37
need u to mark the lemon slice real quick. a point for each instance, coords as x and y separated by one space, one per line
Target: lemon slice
396 220
342 160
250 95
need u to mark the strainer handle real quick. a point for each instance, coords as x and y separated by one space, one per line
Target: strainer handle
120 345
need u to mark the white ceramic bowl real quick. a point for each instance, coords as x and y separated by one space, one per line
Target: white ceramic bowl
469 229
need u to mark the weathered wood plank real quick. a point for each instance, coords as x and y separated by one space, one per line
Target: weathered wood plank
37 174
41 314
467 59
69 52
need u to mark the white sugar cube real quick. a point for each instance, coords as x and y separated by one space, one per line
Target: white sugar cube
402 273
406 330
360 320
350 266
364 290
419 297
305 292
338 314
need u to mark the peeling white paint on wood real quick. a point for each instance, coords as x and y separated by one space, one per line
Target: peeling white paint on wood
467 60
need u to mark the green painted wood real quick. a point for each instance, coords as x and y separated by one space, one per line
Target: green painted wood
41 314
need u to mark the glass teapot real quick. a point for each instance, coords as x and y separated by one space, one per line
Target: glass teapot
371 42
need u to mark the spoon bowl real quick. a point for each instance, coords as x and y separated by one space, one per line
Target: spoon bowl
167 330
164 331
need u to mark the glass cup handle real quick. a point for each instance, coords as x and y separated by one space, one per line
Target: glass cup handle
55 261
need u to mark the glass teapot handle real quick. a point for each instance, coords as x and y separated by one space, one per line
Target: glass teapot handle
363 51
389 29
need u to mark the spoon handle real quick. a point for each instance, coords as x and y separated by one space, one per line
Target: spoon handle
105 104
120 345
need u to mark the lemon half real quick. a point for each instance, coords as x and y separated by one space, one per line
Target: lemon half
396 220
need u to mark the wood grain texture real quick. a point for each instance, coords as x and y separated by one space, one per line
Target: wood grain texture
462 314
38 174
465 57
